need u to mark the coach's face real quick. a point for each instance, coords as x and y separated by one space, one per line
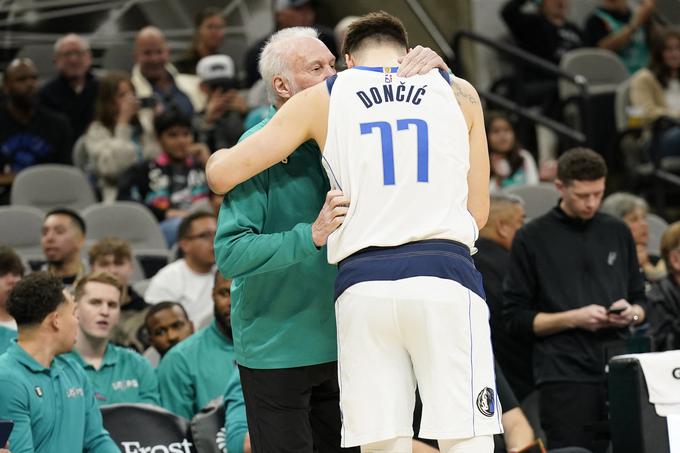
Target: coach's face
311 63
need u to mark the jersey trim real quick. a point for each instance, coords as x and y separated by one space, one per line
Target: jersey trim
441 258
386 69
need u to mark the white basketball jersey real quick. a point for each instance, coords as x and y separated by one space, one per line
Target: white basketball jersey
398 147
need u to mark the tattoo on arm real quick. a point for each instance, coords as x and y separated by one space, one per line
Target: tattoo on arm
461 95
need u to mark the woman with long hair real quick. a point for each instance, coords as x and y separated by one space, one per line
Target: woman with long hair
117 138
208 36
510 163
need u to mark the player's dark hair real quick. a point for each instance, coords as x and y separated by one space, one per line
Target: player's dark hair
378 27
580 164
35 297
75 217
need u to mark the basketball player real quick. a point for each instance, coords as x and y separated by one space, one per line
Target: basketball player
411 156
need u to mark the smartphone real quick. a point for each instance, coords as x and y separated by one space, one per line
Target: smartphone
6 427
616 311
147 103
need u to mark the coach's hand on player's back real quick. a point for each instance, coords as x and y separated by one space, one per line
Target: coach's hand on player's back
330 217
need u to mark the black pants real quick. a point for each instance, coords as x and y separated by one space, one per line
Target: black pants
294 410
574 415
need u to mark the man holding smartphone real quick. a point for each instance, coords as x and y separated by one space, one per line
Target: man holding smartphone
574 285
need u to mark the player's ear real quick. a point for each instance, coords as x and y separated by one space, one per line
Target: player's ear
349 61
282 87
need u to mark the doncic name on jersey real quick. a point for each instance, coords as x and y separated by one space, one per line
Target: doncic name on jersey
388 93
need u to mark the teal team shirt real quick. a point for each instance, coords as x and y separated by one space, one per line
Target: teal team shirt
124 377
6 337
235 422
53 409
282 310
195 371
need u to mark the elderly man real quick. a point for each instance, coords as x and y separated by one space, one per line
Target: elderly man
74 89
30 134
269 239
157 81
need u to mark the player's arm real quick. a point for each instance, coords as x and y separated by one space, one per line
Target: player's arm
478 175
290 127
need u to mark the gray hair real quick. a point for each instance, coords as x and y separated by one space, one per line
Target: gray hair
497 198
275 58
83 42
621 204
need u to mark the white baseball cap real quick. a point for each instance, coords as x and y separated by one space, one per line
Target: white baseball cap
215 68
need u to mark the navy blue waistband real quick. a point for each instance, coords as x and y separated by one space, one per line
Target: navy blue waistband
432 258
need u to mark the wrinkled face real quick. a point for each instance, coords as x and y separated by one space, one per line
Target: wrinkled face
311 63
120 267
671 53
167 328
211 32
501 136
581 199
72 58
637 222
7 282
176 141
152 54
61 238
99 310
199 245
221 296
66 322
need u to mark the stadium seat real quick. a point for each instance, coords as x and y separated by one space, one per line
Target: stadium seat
207 428
21 229
635 425
50 186
143 427
657 226
538 199
602 69
134 223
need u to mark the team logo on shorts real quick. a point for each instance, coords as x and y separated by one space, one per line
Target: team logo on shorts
486 402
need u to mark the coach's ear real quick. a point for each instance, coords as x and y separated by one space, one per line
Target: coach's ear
282 87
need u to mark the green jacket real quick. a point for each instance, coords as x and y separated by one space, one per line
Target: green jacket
195 371
282 310
53 409
124 377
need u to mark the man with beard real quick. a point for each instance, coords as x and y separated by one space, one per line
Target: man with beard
197 370
63 235
29 133
74 89
118 374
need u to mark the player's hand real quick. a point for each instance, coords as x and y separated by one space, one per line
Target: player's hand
420 60
331 216
591 317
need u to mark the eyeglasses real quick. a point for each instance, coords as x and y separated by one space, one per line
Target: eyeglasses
205 236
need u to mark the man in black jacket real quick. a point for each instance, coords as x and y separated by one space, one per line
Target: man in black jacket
575 285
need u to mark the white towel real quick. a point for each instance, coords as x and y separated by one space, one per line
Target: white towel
662 373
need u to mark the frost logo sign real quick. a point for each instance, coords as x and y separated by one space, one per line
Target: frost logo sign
176 447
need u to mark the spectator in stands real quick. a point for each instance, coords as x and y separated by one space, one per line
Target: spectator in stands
289 13
574 284
615 26
118 137
195 371
74 89
167 324
172 182
633 211
117 374
221 123
664 296
47 396
656 89
30 134
11 271
63 236
113 255
208 36
510 163
189 280
513 353
156 81
340 31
